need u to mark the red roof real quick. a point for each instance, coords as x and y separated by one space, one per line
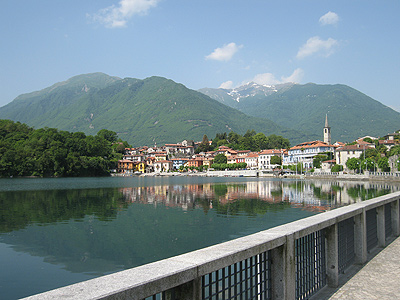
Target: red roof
312 144
270 151
353 148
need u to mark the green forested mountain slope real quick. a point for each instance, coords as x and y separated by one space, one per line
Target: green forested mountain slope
351 113
143 112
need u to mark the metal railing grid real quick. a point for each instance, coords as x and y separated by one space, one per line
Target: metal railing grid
346 254
310 264
243 268
247 279
372 229
388 220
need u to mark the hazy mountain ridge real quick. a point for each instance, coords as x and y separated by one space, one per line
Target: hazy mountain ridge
143 112
351 113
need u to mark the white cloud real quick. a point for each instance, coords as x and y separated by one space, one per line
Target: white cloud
226 85
330 18
316 45
265 79
270 79
296 76
117 16
224 53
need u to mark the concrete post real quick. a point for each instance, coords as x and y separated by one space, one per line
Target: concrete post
395 218
380 211
290 268
188 291
332 260
277 273
360 238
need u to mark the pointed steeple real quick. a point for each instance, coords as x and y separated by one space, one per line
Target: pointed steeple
327 131
326 121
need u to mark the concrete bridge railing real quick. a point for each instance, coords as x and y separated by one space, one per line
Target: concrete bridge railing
292 261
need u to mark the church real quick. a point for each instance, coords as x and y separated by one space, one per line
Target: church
304 153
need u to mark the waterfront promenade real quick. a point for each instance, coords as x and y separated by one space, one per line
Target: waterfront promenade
377 279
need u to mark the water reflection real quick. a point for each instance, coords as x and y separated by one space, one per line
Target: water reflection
84 233
310 195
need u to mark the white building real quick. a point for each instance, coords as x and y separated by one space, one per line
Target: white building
342 154
264 158
251 160
304 153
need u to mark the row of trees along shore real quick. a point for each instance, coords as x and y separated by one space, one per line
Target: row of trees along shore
374 158
49 152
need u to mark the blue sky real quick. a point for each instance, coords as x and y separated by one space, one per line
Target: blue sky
203 43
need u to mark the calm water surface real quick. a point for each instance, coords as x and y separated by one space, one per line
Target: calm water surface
55 232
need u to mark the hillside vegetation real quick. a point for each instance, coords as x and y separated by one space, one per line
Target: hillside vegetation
351 113
143 112
49 152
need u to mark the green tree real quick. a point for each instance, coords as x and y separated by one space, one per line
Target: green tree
395 150
108 135
353 163
261 141
277 142
367 164
276 160
318 159
220 159
383 164
204 145
368 140
336 168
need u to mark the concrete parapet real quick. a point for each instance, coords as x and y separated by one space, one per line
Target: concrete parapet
183 275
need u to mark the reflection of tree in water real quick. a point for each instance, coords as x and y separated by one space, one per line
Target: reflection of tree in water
249 207
22 208
360 192
220 190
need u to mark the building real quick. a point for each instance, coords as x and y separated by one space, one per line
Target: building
251 160
328 164
342 154
129 167
196 162
163 166
327 132
264 158
304 153
178 162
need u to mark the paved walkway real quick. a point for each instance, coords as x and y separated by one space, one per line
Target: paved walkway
378 279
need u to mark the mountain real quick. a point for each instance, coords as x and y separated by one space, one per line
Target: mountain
143 112
236 97
351 113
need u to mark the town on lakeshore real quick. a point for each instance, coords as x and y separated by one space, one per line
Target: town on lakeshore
366 154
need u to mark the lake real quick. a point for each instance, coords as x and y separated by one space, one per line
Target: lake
59 231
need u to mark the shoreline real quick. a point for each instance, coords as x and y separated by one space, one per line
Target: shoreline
257 173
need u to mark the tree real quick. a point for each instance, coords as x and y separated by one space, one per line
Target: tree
368 140
395 150
353 163
383 164
204 145
108 135
318 159
277 142
371 153
220 159
276 160
260 141
336 168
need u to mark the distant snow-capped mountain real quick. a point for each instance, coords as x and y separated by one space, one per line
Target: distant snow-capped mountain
232 97
252 89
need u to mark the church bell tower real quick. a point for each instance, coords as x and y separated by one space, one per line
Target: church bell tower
327 132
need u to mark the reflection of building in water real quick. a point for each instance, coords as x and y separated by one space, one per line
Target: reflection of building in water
310 195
